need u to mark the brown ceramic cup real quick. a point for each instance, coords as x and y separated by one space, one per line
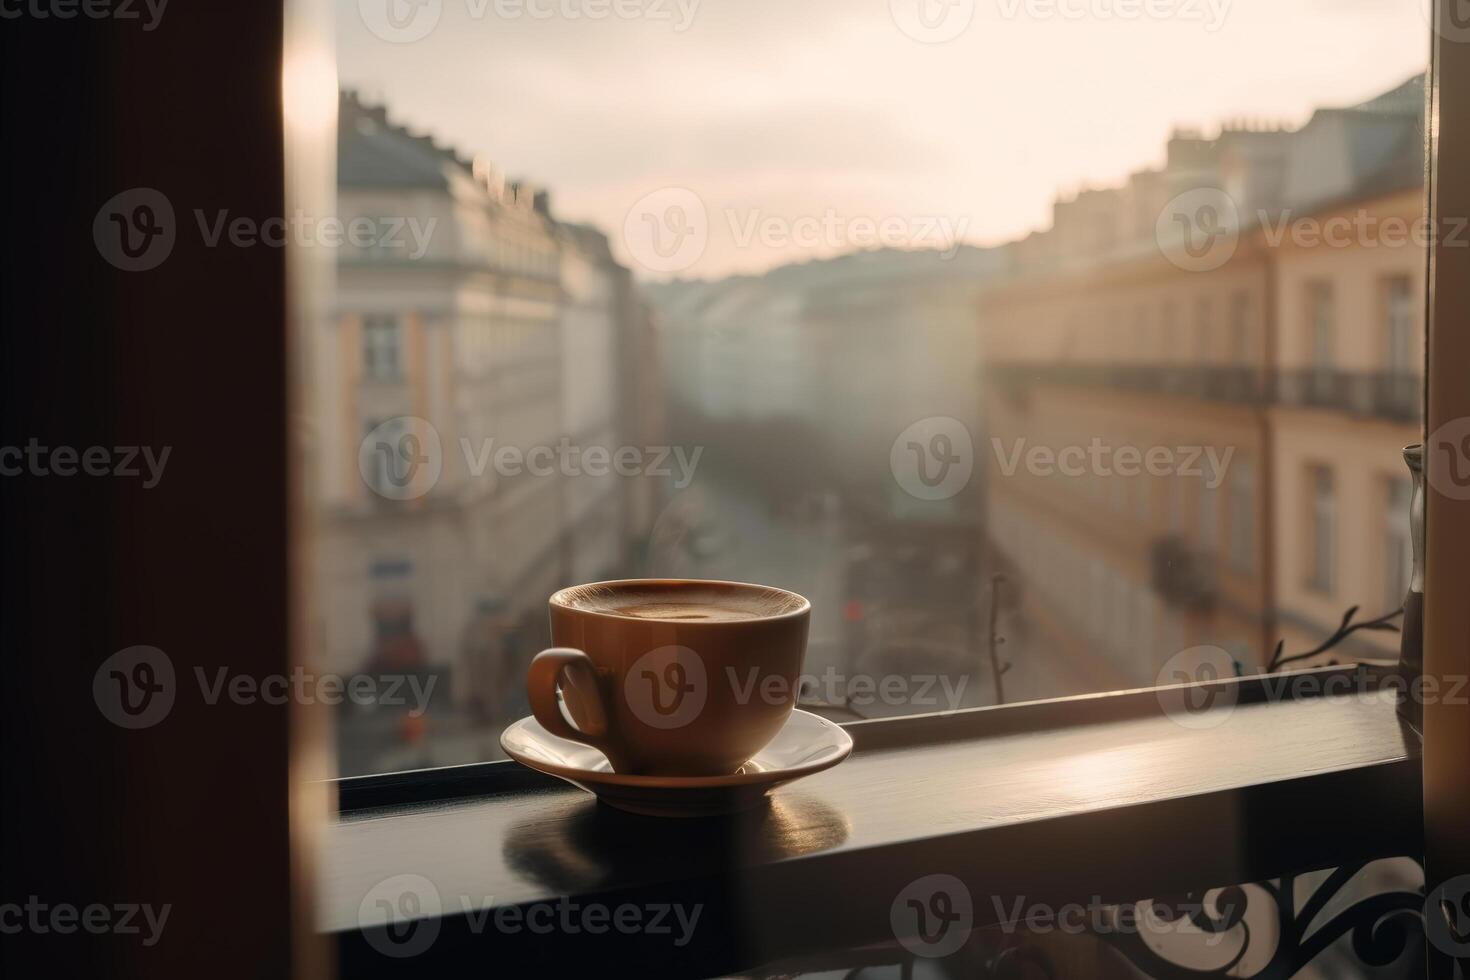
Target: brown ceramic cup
671 677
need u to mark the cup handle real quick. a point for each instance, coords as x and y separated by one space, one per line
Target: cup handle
584 700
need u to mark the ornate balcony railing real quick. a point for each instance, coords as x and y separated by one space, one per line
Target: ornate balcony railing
1391 395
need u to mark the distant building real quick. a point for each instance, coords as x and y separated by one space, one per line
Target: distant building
855 348
610 395
1302 362
1349 356
735 347
504 332
1121 572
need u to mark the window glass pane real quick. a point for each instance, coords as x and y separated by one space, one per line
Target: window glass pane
1323 529
1109 326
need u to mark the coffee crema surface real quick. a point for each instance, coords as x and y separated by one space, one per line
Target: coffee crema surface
684 611
682 601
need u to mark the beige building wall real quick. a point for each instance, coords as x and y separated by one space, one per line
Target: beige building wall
1364 461
478 348
1358 265
1128 353
1140 312
1357 253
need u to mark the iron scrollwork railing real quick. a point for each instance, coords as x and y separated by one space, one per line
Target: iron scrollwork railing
1384 927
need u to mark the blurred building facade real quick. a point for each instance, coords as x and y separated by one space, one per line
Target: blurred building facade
854 348
1350 360
1295 360
504 329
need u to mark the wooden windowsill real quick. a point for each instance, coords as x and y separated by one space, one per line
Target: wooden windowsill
1102 795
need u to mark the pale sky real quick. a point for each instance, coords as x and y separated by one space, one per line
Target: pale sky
771 111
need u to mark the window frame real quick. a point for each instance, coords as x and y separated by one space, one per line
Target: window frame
266 798
1446 727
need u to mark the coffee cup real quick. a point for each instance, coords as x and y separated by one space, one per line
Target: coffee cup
671 677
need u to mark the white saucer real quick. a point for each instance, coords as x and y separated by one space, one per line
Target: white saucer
804 745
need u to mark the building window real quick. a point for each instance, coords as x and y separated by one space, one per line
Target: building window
1173 342
1242 516
382 348
1240 324
1319 312
1203 327
1398 549
1209 518
1399 324
1322 528
386 473
390 569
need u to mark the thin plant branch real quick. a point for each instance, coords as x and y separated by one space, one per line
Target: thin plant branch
997 669
1345 629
